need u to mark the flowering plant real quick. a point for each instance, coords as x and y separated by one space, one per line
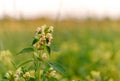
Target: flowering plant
42 69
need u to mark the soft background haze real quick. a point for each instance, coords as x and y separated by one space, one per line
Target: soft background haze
66 8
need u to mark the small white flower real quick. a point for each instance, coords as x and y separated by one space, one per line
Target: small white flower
43 28
53 73
50 29
16 77
26 75
51 68
19 71
49 36
38 30
7 75
44 56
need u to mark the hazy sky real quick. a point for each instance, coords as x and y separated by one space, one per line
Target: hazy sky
76 8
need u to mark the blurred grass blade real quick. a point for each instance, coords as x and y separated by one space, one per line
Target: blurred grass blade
26 50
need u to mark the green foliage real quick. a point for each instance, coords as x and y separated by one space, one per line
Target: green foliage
28 61
48 49
26 50
58 67
89 50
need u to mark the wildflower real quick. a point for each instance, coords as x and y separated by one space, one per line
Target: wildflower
43 28
19 71
53 73
73 80
38 30
51 69
26 75
43 37
16 77
7 75
95 73
50 29
44 56
49 38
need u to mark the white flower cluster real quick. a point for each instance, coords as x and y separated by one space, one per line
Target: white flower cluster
51 72
43 37
17 75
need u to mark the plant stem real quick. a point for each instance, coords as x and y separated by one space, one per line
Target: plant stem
37 67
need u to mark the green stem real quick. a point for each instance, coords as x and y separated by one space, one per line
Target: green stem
37 67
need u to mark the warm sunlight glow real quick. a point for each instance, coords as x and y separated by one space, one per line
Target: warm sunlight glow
76 8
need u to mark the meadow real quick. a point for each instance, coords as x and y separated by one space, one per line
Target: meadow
88 49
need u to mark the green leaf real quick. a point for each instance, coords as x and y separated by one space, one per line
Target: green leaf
24 63
53 79
34 41
58 67
43 76
26 50
48 49
14 64
31 79
4 80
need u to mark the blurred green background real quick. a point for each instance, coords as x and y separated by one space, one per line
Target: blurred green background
88 49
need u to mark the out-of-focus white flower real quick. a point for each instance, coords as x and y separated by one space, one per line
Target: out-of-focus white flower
73 80
38 30
19 71
8 74
16 77
95 73
53 73
43 28
50 29
44 56
26 75
51 69
49 38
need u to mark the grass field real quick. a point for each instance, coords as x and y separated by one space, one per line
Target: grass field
88 49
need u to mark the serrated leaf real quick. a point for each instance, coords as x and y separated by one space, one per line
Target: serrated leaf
48 49
58 67
26 50
28 61
34 41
